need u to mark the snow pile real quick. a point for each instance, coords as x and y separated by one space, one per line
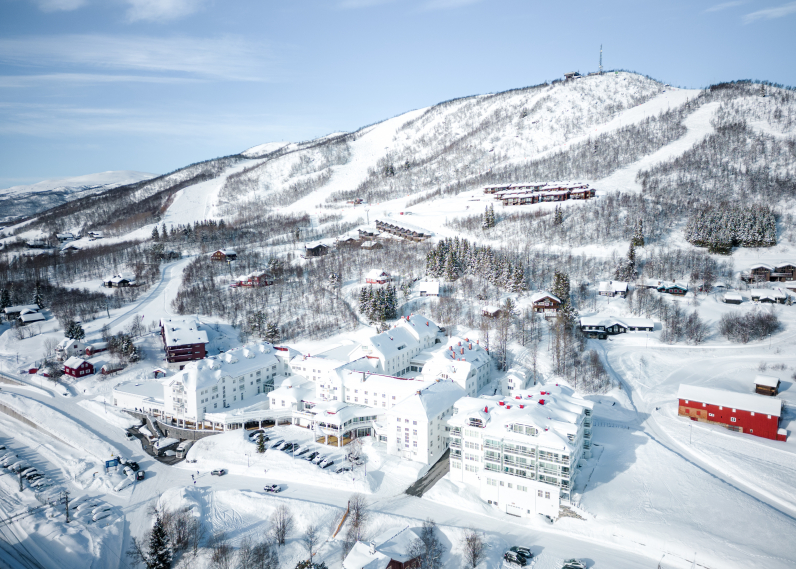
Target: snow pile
109 413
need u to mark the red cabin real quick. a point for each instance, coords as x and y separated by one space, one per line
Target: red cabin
78 367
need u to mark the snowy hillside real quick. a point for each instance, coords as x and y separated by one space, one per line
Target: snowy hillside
19 201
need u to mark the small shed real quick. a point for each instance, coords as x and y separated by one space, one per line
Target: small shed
224 255
733 298
30 318
766 385
428 288
318 250
491 311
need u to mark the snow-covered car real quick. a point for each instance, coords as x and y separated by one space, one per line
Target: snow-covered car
278 444
41 483
27 471
296 448
254 434
514 559
2 447
289 447
524 551
574 564
123 484
273 488
123 461
219 472
34 476
17 466
102 514
326 463
303 450
89 505
344 469
319 459
128 471
312 456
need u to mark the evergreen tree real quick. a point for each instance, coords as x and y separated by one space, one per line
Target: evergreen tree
155 233
272 333
558 215
638 236
561 286
160 552
74 331
626 269
5 298
37 298
261 443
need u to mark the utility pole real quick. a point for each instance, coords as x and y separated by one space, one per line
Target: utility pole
66 503
20 480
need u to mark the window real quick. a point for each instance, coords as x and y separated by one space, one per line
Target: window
704 405
414 443
733 419
414 432
501 483
710 414
398 428
547 495
398 419
511 485
753 413
539 493
398 440
414 422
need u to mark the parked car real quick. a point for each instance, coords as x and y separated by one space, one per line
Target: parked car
139 475
27 471
17 466
254 434
344 469
219 472
326 463
312 456
34 476
296 448
133 465
524 551
574 564
304 450
2 447
123 484
278 443
123 461
41 483
102 514
127 471
318 459
515 559
273 488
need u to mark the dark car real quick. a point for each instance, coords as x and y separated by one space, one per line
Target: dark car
344 469
312 456
302 451
288 447
273 488
278 444
133 466
139 475
524 551
515 559
219 472
34 476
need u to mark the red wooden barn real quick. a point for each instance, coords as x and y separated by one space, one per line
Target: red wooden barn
78 367
741 412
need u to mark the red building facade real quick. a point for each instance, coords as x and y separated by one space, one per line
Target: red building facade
740 412
77 367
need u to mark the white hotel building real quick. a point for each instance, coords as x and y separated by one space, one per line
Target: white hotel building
521 453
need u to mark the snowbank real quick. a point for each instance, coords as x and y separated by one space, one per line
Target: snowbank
109 413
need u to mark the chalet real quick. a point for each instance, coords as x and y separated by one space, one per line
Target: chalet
783 272
600 328
733 297
182 340
224 255
673 288
13 312
68 347
572 75
613 288
70 247
347 241
255 279
766 385
95 235
760 272
63 237
387 551
30 317
740 412
366 235
403 231
170 254
767 296
122 280
545 303
78 367
491 311
37 244
377 276
371 246
318 250
428 288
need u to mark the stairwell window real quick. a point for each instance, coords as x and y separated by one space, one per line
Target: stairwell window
733 419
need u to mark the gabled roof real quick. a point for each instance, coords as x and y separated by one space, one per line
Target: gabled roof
732 399
377 274
182 331
766 380
537 296
430 400
613 286
74 362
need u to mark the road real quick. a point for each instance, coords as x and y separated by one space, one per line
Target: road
435 473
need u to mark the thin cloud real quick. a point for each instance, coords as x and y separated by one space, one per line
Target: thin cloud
59 5
771 13
725 5
228 58
161 10
21 81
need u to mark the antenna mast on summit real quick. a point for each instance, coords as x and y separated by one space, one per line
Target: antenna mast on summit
601 59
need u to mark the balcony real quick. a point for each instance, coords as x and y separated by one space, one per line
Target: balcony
456 443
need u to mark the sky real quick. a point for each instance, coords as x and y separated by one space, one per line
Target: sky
153 85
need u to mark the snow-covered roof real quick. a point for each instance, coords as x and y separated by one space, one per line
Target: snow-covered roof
613 286
761 266
74 362
610 321
20 308
393 341
429 401
555 413
428 287
234 363
456 360
361 557
733 399
537 296
665 284
182 331
68 343
395 545
420 327
733 296
766 380
773 294
377 274
32 317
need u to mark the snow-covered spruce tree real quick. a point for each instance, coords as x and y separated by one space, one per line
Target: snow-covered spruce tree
638 235
272 333
160 553
561 286
74 331
261 443
626 269
37 298
155 234
5 298
558 215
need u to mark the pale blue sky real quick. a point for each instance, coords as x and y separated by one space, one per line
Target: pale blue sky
152 85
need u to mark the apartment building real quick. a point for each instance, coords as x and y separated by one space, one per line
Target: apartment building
521 453
462 360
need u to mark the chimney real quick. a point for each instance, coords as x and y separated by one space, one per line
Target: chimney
477 342
471 345
486 409
373 548
462 351
450 348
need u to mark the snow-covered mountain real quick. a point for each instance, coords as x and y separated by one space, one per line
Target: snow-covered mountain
27 200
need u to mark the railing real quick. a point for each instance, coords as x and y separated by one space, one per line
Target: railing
527 452
455 444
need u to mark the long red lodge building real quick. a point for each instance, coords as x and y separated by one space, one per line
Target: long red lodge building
741 412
